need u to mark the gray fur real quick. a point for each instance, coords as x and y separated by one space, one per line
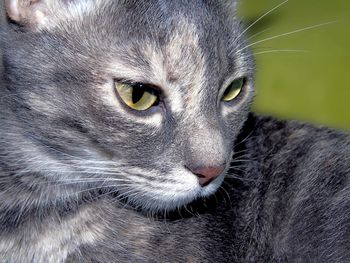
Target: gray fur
85 179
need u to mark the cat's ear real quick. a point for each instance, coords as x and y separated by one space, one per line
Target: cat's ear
27 12
38 14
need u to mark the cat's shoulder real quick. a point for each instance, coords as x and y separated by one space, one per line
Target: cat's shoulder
317 157
311 142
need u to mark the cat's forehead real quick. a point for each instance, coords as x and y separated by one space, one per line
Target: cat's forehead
186 50
168 39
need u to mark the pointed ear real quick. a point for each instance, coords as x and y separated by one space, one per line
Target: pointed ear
38 14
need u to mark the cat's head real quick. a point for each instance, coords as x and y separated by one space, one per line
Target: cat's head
144 98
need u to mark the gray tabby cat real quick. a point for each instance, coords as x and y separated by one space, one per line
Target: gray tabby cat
126 137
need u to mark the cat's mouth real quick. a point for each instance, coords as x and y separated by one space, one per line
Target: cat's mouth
184 188
206 175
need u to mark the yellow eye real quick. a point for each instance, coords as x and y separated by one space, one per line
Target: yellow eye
233 90
137 96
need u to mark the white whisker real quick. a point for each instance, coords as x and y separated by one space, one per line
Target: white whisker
261 17
258 34
100 187
64 182
70 172
285 34
281 50
92 179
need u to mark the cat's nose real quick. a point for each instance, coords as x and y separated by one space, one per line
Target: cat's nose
207 174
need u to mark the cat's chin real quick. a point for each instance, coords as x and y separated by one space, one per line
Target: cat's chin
176 197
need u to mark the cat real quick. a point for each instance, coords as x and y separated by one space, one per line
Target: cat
126 136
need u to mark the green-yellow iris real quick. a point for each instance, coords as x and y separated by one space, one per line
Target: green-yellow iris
138 97
233 90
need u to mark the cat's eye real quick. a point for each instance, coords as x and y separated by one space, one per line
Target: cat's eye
137 96
233 90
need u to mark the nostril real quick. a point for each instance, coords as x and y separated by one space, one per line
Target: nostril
207 174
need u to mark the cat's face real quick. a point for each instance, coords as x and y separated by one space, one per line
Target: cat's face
70 67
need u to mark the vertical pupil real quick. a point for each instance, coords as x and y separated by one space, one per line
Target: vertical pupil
137 94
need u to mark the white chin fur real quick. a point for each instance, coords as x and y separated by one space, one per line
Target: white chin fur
171 196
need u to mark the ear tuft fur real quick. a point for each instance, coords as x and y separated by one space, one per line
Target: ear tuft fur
39 14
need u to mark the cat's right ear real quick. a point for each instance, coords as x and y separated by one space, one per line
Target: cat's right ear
27 12
39 14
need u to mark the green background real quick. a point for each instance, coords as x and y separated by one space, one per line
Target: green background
312 85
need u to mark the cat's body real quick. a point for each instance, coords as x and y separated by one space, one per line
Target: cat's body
85 178
290 204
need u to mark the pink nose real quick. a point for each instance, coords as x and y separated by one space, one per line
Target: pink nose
207 174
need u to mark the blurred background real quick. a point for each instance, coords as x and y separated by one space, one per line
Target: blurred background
303 75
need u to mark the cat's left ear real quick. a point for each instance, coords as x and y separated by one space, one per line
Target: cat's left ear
38 14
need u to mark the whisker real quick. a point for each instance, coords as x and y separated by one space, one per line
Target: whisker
245 161
261 17
110 192
239 168
76 158
70 172
99 171
242 151
92 179
82 181
233 176
226 193
242 160
259 33
246 138
128 194
281 50
101 187
285 34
